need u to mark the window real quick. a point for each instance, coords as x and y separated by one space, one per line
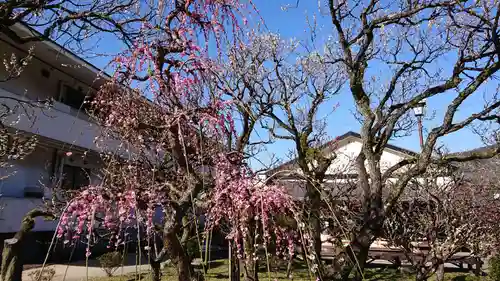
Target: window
33 192
75 177
75 98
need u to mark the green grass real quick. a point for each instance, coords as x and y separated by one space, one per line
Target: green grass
219 272
373 274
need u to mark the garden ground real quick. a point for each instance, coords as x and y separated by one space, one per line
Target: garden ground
218 271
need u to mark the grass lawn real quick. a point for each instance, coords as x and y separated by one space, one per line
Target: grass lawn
219 271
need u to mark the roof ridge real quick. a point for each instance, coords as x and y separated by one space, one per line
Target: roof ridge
338 139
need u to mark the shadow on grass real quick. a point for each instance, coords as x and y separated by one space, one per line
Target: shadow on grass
460 278
221 276
386 273
389 273
467 278
212 264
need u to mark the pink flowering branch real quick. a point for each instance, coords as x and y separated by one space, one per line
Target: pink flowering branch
156 105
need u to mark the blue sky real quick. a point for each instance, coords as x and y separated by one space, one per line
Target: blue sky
292 23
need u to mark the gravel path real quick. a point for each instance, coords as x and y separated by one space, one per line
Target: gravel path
78 271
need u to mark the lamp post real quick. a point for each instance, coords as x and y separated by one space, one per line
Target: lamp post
419 111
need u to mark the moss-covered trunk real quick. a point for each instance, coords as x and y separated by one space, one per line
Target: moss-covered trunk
12 259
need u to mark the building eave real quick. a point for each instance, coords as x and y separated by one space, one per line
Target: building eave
51 44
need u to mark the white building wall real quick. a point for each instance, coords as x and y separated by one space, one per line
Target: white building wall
31 81
60 122
33 171
347 152
56 123
36 170
345 156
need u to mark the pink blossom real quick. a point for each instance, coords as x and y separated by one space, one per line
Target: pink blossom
177 104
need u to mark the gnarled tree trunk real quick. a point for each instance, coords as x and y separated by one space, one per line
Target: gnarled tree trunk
175 248
361 241
313 217
420 275
12 259
357 255
234 266
179 257
251 265
440 271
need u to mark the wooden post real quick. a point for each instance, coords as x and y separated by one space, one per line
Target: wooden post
12 268
12 265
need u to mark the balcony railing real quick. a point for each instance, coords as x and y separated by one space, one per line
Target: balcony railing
59 122
78 113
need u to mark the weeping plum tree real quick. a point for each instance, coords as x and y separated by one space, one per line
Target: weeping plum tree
289 88
255 212
171 129
74 25
173 133
249 111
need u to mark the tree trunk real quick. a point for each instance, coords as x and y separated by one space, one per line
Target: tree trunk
179 257
315 224
251 264
421 274
360 262
440 271
357 254
478 266
371 228
289 268
12 265
313 215
155 270
12 260
234 268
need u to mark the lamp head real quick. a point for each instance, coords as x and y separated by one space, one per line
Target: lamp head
419 109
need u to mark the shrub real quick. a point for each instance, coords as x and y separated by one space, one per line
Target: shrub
110 262
494 268
46 275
